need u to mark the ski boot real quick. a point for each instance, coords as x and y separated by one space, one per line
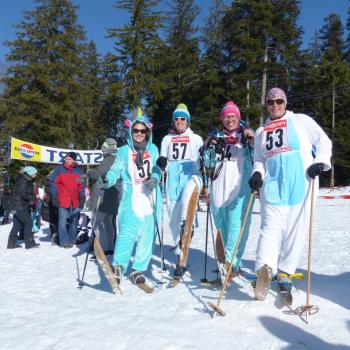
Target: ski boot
285 288
139 280
136 277
262 284
179 271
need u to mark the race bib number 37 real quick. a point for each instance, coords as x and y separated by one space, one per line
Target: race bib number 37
275 138
179 148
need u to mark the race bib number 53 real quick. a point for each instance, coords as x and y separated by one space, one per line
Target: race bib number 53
179 148
275 138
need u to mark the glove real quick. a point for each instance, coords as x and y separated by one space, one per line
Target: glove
151 183
55 201
162 162
255 181
315 169
81 202
218 144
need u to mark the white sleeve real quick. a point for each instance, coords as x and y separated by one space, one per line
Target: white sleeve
321 142
164 147
259 160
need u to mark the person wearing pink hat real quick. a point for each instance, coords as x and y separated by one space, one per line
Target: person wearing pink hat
229 155
290 151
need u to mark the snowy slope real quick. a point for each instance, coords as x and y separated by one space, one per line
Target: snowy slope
41 306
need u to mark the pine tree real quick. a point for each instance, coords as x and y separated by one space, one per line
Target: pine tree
137 44
179 66
210 87
261 42
114 100
334 74
92 85
43 91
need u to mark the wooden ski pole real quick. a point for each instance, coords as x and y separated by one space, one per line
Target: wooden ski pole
309 309
216 307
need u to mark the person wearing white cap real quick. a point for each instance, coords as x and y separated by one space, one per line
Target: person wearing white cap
290 150
22 202
180 153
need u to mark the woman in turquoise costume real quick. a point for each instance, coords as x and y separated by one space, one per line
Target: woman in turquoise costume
140 206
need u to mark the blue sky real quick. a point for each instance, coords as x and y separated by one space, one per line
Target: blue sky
97 15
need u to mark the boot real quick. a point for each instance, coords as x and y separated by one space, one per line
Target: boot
32 244
179 271
136 277
285 287
12 244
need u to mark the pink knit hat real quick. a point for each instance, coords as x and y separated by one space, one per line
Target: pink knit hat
276 93
229 108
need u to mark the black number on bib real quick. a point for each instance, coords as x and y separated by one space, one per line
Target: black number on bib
271 136
144 170
176 150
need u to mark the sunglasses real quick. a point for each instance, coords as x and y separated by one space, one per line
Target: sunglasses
141 131
180 118
272 102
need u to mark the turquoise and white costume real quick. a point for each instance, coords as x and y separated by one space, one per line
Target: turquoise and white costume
183 173
283 150
136 219
230 192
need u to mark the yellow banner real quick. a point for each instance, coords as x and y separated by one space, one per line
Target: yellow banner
24 150
30 152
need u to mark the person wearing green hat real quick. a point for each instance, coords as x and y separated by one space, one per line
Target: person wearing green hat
22 202
180 154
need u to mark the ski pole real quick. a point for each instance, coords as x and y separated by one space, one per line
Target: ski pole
159 237
92 238
91 243
162 229
216 307
204 279
309 309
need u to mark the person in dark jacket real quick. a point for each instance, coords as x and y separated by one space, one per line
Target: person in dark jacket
22 202
53 211
68 194
104 223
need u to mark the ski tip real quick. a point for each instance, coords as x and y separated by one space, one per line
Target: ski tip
216 309
145 287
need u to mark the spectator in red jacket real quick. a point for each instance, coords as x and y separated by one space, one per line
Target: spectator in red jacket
69 195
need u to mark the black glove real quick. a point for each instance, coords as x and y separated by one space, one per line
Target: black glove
219 145
81 202
162 162
315 169
151 183
55 201
255 181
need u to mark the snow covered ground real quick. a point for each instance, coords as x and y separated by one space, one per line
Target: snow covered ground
41 306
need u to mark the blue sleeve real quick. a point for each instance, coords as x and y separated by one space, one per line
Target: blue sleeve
115 171
209 157
156 171
52 180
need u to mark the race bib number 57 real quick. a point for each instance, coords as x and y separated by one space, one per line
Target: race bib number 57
275 138
179 148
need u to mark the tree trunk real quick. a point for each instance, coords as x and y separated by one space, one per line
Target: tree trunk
263 86
332 135
248 100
